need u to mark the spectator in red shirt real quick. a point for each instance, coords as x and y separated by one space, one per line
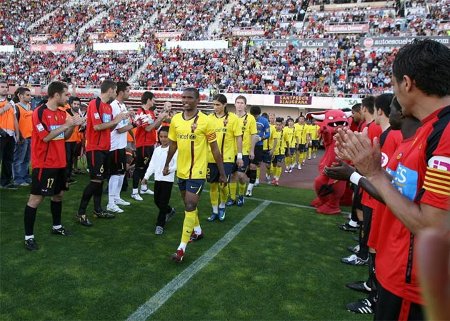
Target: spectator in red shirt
51 127
145 141
418 196
98 142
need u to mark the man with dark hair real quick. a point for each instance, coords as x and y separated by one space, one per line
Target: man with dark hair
22 153
374 131
9 133
51 126
117 154
100 122
72 142
263 133
190 133
145 140
418 195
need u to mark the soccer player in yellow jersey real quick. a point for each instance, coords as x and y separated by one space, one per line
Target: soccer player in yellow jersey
229 139
314 132
190 133
280 138
250 137
301 131
291 145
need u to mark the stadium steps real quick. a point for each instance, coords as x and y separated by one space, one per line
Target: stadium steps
216 24
151 20
92 22
41 20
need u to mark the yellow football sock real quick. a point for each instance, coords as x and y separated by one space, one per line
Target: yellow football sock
258 171
242 187
232 189
303 156
214 194
223 194
188 225
279 171
309 152
288 160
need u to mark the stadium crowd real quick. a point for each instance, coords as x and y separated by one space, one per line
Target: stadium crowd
344 68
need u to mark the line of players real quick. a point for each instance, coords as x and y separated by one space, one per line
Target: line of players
246 140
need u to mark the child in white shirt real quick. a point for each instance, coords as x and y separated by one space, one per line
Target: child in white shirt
163 184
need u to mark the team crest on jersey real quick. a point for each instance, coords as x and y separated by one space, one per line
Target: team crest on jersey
96 116
39 127
384 159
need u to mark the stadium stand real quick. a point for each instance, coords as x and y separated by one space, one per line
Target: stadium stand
343 67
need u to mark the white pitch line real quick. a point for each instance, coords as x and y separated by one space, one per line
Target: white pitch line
156 301
286 204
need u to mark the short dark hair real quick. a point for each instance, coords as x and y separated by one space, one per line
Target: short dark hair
74 98
193 90
255 110
395 104
242 98
369 103
21 91
383 102
427 63
146 96
163 129
107 85
265 115
221 98
121 86
356 108
279 119
56 87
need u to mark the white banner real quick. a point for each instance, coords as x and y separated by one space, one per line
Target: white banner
168 34
7 48
198 45
118 46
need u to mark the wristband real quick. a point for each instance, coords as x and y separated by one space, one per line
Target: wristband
355 178
239 156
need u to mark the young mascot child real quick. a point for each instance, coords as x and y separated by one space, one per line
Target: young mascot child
163 184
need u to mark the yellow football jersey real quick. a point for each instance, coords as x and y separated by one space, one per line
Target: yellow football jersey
248 125
290 136
227 128
268 143
281 137
301 132
192 137
314 131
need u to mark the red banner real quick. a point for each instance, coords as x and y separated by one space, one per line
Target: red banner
168 34
347 28
247 32
293 100
53 48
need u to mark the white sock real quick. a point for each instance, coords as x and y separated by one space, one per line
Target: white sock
182 246
198 230
57 226
135 191
119 181
144 187
27 237
215 209
222 205
112 189
250 187
353 223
